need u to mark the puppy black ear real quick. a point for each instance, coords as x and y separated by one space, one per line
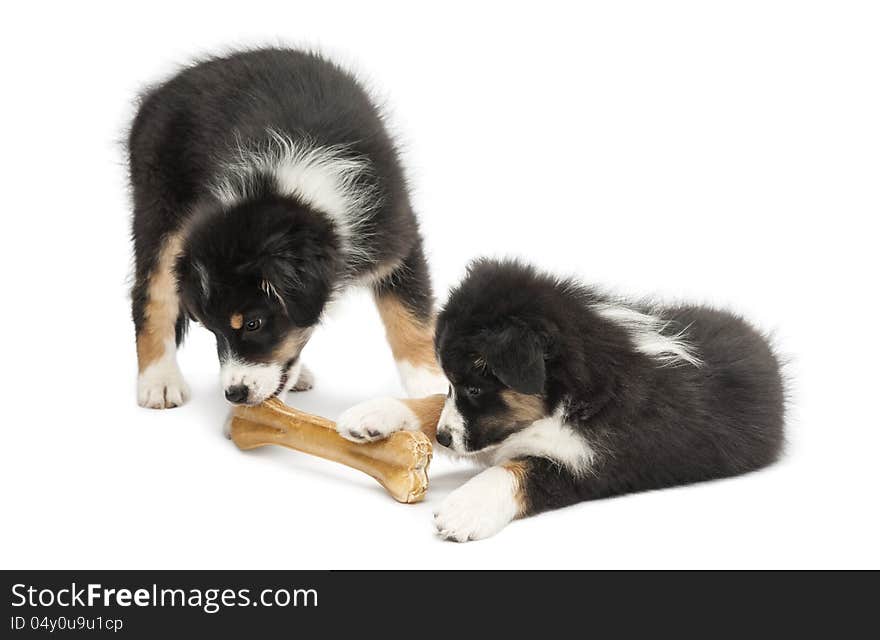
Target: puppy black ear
516 356
193 287
301 286
297 262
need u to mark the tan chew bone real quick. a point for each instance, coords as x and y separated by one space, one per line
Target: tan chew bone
399 463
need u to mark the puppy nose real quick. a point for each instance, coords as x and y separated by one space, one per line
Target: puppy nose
237 394
444 438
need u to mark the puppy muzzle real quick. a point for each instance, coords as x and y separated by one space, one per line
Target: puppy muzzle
252 383
450 427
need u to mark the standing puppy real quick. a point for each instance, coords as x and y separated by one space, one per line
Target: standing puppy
264 184
570 395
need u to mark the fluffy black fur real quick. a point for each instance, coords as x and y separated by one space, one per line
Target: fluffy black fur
187 134
651 423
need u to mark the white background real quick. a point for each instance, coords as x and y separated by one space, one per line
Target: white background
718 152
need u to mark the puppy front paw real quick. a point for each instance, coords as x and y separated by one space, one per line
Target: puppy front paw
480 508
162 389
376 419
305 381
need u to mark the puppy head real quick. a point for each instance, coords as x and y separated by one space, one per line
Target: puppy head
492 346
497 379
258 276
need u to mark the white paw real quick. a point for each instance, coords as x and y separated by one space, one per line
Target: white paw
305 380
480 508
376 419
162 388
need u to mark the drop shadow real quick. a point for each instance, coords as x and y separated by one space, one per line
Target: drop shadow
451 480
302 464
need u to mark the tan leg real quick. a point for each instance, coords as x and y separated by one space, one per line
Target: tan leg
412 344
427 411
160 383
403 298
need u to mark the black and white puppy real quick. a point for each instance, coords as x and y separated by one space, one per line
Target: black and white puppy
265 183
571 395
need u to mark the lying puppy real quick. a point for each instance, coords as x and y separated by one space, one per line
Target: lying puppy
264 184
571 395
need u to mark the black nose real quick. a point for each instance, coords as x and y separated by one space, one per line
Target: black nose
237 394
444 438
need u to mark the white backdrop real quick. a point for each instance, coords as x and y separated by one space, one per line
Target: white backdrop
726 154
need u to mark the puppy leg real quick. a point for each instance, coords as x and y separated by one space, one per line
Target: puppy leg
516 489
160 327
299 378
405 304
484 505
377 419
304 381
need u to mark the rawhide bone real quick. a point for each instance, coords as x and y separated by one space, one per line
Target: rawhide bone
399 462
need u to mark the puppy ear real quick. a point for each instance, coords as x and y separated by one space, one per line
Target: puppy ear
516 356
193 285
301 285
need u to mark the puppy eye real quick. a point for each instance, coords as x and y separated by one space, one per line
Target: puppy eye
473 392
253 325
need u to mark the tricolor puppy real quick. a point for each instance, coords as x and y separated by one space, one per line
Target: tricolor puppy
571 395
264 184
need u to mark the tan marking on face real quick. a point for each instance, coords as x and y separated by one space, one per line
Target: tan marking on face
428 411
291 345
163 305
411 339
519 469
523 408
236 321
288 348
